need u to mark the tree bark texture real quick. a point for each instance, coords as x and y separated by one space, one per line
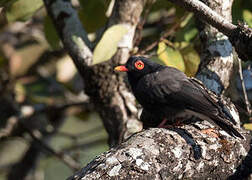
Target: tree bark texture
217 57
113 99
107 90
178 153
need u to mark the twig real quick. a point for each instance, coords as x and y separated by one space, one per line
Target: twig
140 25
85 145
66 159
248 105
165 35
10 125
80 135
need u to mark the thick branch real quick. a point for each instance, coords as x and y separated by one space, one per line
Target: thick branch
240 36
217 57
114 102
116 107
206 14
179 153
71 31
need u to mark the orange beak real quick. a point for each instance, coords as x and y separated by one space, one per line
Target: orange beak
121 69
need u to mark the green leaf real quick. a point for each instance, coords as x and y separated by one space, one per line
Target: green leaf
247 16
170 57
248 126
51 34
191 60
92 14
161 4
107 46
22 9
189 31
3 61
6 3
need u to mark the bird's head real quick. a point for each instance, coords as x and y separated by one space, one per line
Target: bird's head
138 66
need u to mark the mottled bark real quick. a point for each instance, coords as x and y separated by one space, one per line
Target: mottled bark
217 59
107 90
242 41
71 31
179 153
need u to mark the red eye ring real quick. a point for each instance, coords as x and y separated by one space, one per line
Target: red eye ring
139 65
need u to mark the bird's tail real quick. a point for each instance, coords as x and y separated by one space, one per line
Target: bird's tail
223 123
227 127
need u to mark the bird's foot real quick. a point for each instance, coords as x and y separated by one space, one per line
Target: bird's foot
178 122
162 124
211 132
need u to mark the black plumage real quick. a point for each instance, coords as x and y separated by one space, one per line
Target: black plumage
165 92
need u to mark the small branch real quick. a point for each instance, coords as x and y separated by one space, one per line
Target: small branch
248 105
85 145
66 159
80 135
139 28
164 36
9 128
28 112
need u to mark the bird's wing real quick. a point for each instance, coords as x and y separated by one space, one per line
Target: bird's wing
170 87
173 88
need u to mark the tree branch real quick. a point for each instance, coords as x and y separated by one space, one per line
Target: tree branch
240 36
71 31
217 56
178 153
206 14
115 103
117 108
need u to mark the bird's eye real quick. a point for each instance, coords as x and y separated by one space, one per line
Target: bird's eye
139 65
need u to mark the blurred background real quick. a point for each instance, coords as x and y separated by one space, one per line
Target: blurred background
48 127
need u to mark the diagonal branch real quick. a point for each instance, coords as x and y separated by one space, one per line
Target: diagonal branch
71 31
240 36
205 13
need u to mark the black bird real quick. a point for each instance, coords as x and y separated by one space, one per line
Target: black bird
166 92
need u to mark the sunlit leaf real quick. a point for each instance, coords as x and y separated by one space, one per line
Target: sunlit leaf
170 57
107 46
248 126
51 34
22 9
20 92
191 60
247 16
